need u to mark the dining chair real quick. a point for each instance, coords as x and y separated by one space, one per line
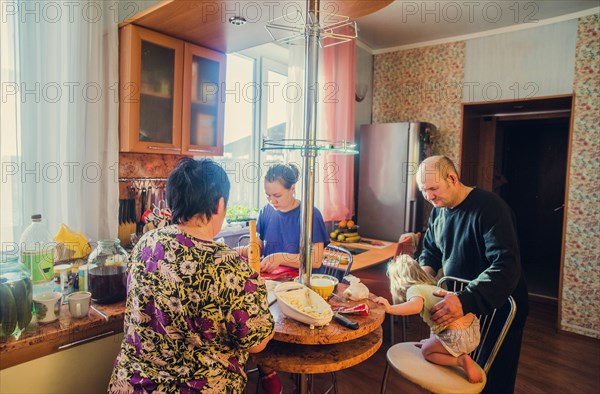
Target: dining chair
334 259
243 240
406 359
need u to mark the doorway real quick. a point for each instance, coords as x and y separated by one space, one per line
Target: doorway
531 157
520 150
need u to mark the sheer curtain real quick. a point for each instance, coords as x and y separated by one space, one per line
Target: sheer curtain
59 121
334 186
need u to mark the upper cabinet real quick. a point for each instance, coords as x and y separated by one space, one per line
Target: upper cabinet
170 93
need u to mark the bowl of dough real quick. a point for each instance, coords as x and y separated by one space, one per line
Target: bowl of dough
300 303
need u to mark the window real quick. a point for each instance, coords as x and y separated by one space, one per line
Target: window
238 154
255 108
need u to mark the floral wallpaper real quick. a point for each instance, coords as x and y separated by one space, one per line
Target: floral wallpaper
581 271
423 84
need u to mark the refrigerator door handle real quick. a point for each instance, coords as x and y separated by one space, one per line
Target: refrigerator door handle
410 218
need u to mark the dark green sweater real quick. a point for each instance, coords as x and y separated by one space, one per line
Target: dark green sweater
477 241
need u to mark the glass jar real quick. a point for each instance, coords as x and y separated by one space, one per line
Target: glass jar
107 272
16 296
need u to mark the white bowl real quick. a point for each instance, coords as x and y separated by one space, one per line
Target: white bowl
300 303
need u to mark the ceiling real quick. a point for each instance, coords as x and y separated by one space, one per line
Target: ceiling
206 22
383 25
412 23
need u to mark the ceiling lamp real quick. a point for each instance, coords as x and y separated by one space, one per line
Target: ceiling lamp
237 20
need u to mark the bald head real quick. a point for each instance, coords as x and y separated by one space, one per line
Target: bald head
438 180
435 168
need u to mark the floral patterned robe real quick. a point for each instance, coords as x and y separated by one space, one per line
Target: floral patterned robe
193 308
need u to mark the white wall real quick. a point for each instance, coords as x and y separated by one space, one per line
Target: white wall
128 8
527 63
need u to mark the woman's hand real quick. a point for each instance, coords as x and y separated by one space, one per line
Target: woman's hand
268 264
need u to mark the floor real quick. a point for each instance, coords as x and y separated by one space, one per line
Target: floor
550 362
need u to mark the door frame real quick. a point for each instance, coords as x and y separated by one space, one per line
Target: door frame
478 140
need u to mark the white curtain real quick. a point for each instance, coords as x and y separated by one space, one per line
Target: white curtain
59 121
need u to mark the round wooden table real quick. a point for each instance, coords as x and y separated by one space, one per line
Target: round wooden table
298 349
292 331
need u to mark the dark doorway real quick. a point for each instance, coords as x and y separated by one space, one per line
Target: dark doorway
520 149
531 165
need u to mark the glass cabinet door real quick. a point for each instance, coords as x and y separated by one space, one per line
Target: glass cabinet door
156 93
202 119
154 64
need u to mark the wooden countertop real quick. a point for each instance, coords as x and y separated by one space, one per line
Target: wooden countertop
45 339
374 255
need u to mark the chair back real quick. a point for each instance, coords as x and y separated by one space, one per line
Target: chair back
493 326
243 240
334 261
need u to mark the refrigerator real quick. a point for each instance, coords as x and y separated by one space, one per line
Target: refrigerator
389 202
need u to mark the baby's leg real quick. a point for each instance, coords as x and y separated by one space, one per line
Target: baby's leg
435 352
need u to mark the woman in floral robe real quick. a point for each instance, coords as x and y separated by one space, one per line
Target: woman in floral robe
195 309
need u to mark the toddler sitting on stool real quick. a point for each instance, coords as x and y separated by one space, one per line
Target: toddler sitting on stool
412 292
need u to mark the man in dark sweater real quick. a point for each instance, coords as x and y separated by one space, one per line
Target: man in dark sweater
472 235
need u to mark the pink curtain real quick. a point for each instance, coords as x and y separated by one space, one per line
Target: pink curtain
337 107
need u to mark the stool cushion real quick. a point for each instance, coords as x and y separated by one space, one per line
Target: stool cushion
406 359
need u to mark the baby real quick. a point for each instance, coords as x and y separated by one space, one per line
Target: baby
412 292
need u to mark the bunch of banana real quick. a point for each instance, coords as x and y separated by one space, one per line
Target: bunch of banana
352 237
16 305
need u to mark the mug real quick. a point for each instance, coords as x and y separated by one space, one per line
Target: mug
47 306
79 303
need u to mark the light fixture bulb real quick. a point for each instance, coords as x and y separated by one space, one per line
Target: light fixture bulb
237 20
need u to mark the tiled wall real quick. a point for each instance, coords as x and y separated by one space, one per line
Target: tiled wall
423 84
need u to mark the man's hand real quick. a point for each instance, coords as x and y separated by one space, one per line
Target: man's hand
447 310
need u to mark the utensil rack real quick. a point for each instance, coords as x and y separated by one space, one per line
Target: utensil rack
336 146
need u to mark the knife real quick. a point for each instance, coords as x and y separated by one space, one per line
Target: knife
344 321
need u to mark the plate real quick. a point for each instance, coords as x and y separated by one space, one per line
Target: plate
300 303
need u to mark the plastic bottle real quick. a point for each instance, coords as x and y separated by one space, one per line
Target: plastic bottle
37 255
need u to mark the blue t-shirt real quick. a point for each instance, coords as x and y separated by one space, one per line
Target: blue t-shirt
280 231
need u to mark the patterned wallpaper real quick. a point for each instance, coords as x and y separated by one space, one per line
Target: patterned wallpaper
144 165
423 84
581 279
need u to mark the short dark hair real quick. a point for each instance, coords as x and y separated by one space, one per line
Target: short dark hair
194 188
286 174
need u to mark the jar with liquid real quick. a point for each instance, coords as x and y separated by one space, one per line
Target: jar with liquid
16 296
107 272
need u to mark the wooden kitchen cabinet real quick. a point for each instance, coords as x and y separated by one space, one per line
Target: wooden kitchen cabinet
170 95
202 118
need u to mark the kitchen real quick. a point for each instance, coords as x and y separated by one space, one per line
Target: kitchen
398 92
